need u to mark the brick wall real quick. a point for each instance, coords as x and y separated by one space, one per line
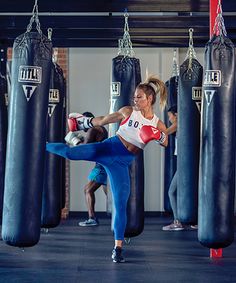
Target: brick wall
62 61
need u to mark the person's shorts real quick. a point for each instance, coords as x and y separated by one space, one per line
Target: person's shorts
98 175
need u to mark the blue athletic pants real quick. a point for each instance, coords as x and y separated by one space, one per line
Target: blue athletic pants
113 155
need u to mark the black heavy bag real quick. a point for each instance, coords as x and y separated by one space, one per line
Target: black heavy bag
217 159
31 67
3 136
188 140
126 76
170 158
52 190
172 91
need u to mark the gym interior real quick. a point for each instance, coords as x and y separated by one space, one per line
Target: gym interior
189 45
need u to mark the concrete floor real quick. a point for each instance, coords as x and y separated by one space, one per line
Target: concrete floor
69 253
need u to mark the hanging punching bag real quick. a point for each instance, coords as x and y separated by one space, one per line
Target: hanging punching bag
217 160
172 91
126 76
31 67
3 136
52 190
188 139
170 158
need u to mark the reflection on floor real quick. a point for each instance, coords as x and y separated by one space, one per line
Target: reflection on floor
69 253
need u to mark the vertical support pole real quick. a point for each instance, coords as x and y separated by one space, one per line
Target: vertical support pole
213 13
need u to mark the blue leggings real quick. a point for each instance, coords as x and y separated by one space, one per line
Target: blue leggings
115 158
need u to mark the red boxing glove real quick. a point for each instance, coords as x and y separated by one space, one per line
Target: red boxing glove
77 121
72 124
149 133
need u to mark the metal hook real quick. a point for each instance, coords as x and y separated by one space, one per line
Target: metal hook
35 19
49 33
126 27
35 8
54 55
126 13
219 26
125 44
191 37
219 7
175 67
191 54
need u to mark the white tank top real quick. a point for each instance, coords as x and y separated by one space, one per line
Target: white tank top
129 129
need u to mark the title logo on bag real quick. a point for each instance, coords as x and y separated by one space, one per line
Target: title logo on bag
30 74
209 95
54 99
54 95
115 88
29 90
196 93
197 96
51 108
212 78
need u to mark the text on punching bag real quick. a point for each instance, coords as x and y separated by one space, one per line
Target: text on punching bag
54 99
29 74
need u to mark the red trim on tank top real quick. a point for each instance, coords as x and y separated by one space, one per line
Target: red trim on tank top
123 122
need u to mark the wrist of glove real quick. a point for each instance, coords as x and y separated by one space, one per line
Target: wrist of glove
162 138
77 122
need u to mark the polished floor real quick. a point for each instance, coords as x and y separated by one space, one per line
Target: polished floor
73 254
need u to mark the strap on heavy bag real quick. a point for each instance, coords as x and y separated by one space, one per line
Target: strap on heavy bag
188 136
31 67
3 136
52 191
217 160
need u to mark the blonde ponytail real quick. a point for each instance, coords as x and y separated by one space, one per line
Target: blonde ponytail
153 86
153 81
